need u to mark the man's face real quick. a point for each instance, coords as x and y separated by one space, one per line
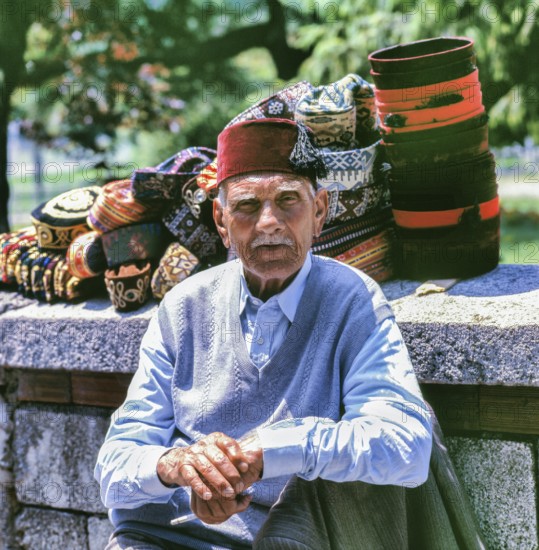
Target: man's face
269 219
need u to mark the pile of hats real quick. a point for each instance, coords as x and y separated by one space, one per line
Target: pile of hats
121 234
358 227
442 180
34 258
187 216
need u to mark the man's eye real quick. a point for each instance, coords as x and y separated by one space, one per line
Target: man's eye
288 199
247 206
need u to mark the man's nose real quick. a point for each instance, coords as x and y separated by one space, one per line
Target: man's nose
270 218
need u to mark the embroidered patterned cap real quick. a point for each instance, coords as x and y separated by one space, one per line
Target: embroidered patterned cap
12 245
176 265
135 242
338 239
279 105
63 218
166 180
347 170
373 256
128 285
347 205
116 206
85 256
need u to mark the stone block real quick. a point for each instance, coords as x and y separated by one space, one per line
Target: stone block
498 476
7 491
483 330
99 531
55 449
90 336
38 529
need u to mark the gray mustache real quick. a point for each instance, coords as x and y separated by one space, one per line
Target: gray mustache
264 241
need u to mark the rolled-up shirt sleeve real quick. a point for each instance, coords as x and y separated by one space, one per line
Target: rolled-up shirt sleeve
384 436
141 430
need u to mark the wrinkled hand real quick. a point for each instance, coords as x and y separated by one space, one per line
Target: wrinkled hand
218 509
215 466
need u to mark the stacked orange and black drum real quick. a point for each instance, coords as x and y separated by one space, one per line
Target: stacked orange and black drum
443 178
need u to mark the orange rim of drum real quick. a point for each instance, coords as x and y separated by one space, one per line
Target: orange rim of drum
468 95
420 93
443 218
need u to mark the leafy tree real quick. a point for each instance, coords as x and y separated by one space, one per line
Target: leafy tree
506 36
147 64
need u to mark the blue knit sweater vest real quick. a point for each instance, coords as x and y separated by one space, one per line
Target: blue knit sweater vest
216 387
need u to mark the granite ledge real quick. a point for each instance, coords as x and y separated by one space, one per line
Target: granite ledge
484 330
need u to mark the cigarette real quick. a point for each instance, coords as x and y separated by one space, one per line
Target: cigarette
191 517
183 519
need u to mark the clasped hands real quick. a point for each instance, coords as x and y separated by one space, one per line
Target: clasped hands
218 469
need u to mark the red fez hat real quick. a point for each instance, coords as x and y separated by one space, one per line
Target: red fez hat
264 144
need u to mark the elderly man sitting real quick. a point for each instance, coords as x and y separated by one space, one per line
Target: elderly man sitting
275 399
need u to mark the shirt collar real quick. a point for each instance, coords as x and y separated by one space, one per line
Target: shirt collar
289 298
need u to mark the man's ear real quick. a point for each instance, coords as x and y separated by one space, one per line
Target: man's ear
321 209
218 218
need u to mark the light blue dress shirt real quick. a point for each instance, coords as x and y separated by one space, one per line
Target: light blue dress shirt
265 324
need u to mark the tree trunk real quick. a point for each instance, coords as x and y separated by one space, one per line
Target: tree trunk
5 91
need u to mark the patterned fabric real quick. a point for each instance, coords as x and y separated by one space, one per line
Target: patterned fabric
373 256
63 218
166 180
48 277
193 234
85 256
344 206
280 105
340 238
330 112
37 272
351 169
134 242
27 259
116 206
128 285
176 265
12 245
342 114
61 277
207 179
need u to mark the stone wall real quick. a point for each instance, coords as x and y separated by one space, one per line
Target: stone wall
65 367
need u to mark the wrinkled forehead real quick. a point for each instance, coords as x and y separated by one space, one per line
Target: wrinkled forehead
265 183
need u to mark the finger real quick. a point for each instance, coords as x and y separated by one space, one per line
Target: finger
227 469
212 476
193 480
233 450
242 503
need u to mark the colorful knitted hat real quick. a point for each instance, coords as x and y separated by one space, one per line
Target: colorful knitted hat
116 206
372 255
63 218
128 285
267 144
330 112
176 265
347 170
344 206
199 237
166 180
85 256
135 242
